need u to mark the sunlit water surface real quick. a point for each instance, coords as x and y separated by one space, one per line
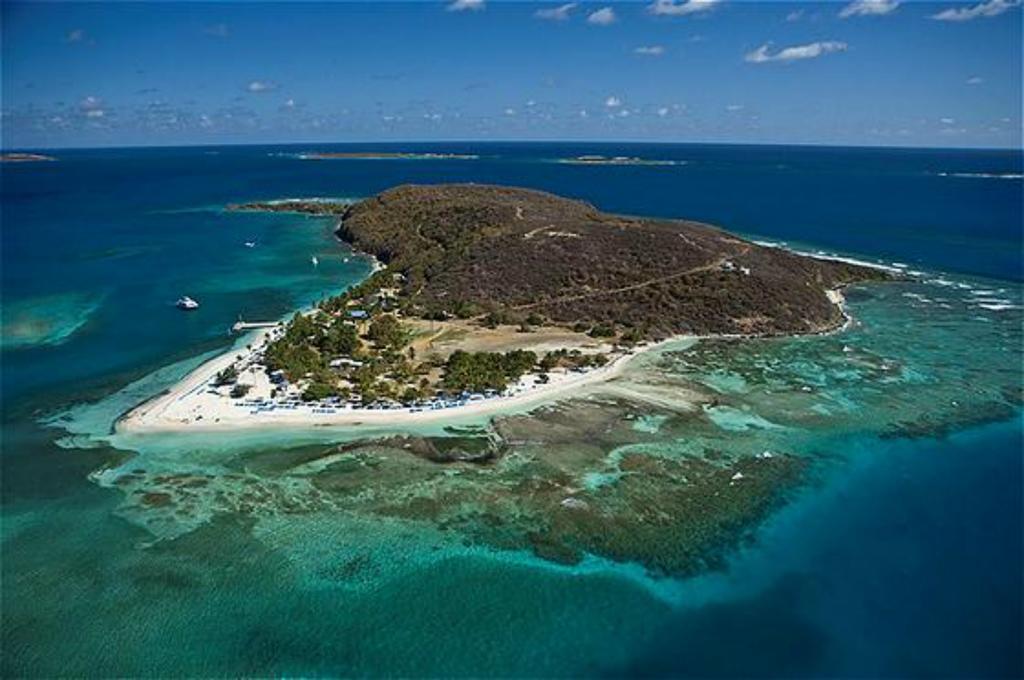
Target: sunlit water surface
837 505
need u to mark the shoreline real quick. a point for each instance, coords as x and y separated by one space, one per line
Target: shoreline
154 415
200 402
189 406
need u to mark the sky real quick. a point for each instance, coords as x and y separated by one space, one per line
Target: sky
866 72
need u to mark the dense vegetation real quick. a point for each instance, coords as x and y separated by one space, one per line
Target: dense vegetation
480 371
296 353
506 256
335 357
525 257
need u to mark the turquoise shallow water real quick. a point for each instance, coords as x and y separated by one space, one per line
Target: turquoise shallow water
898 554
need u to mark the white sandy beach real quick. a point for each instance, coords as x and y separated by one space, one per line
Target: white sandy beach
193 405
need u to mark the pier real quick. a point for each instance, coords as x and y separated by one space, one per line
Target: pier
240 325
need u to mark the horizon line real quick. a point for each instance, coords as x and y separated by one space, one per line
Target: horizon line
6 149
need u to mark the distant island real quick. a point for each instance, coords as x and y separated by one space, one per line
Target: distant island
24 158
617 160
488 296
384 155
306 206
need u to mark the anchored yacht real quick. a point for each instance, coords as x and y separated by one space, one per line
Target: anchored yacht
186 303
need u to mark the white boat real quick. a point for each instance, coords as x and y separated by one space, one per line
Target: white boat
250 244
186 303
314 260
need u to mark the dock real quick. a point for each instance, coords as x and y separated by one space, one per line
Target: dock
240 326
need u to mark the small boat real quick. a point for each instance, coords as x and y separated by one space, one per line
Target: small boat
250 244
314 260
186 303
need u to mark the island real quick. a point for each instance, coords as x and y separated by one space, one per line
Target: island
485 298
306 206
18 157
594 159
384 155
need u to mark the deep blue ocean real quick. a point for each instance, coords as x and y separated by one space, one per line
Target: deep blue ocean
903 561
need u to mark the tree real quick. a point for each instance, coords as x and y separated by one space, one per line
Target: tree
341 340
632 336
496 318
549 361
240 390
518 362
318 390
386 331
295 359
228 376
300 328
386 389
478 371
465 309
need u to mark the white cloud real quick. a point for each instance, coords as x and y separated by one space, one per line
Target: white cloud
624 113
650 50
663 111
75 36
583 113
92 107
795 15
975 80
734 107
868 8
464 5
947 121
613 102
992 8
602 17
762 55
672 8
510 112
261 86
289 103
560 13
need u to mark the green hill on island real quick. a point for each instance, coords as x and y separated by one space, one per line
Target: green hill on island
482 282
469 250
